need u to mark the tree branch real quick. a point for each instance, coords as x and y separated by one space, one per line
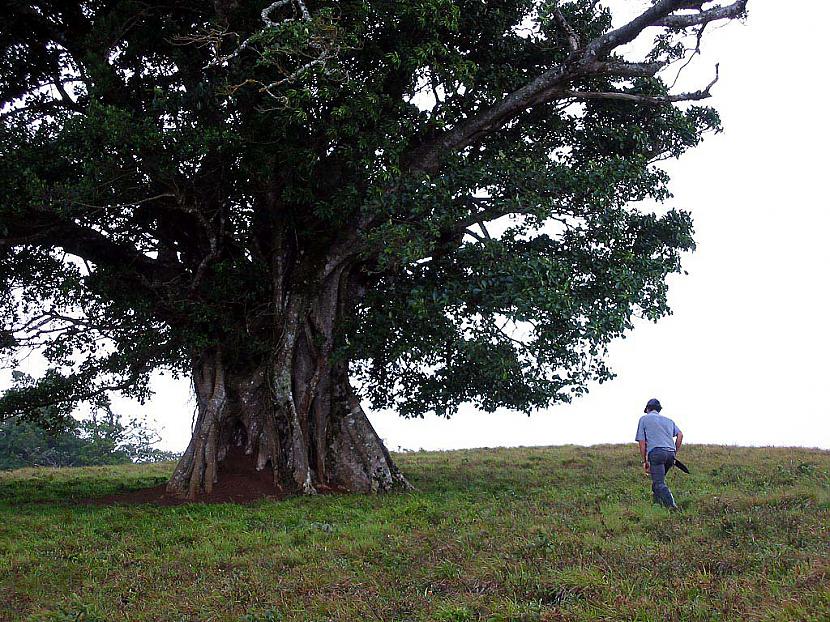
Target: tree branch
694 53
653 16
628 70
570 33
87 244
552 84
732 11
646 99
266 19
475 235
66 98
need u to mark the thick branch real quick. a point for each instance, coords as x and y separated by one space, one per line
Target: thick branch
87 244
552 84
428 156
602 45
732 11
628 70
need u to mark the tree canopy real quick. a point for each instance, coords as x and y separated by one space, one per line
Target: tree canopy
170 170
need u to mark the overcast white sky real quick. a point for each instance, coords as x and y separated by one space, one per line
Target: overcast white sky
744 358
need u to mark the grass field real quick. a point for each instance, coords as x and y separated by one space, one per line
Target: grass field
561 533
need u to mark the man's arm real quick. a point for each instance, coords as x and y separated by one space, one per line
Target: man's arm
643 454
678 441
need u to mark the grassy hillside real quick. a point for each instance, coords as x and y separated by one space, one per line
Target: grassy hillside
562 533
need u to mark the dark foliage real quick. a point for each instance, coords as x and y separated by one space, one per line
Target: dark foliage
172 173
83 443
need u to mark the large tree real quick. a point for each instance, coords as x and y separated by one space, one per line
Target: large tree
293 202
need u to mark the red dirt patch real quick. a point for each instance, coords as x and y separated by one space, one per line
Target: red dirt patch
239 482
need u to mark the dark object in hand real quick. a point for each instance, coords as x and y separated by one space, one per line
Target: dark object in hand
681 466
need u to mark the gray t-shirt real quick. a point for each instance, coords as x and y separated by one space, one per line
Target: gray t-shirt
657 431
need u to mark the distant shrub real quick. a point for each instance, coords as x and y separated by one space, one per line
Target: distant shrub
95 441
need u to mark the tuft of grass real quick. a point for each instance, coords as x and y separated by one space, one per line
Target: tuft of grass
523 534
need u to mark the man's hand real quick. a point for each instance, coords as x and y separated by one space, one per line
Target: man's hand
647 468
644 455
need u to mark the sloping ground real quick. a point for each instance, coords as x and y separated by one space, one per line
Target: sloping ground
561 533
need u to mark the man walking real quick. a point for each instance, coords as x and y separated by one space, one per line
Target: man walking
656 436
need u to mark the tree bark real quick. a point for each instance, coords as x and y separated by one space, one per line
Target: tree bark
293 416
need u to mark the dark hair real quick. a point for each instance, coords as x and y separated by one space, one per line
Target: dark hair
653 404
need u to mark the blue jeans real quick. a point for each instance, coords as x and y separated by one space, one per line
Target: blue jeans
660 461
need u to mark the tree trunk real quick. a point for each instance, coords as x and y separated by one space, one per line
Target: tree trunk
294 417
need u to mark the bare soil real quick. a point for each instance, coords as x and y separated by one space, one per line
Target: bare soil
239 482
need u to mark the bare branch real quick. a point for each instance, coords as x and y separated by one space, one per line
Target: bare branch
266 12
628 70
475 235
500 331
646 99
633 97
269 23
228 57
602 45
126 204
732 11
694 53
320 60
